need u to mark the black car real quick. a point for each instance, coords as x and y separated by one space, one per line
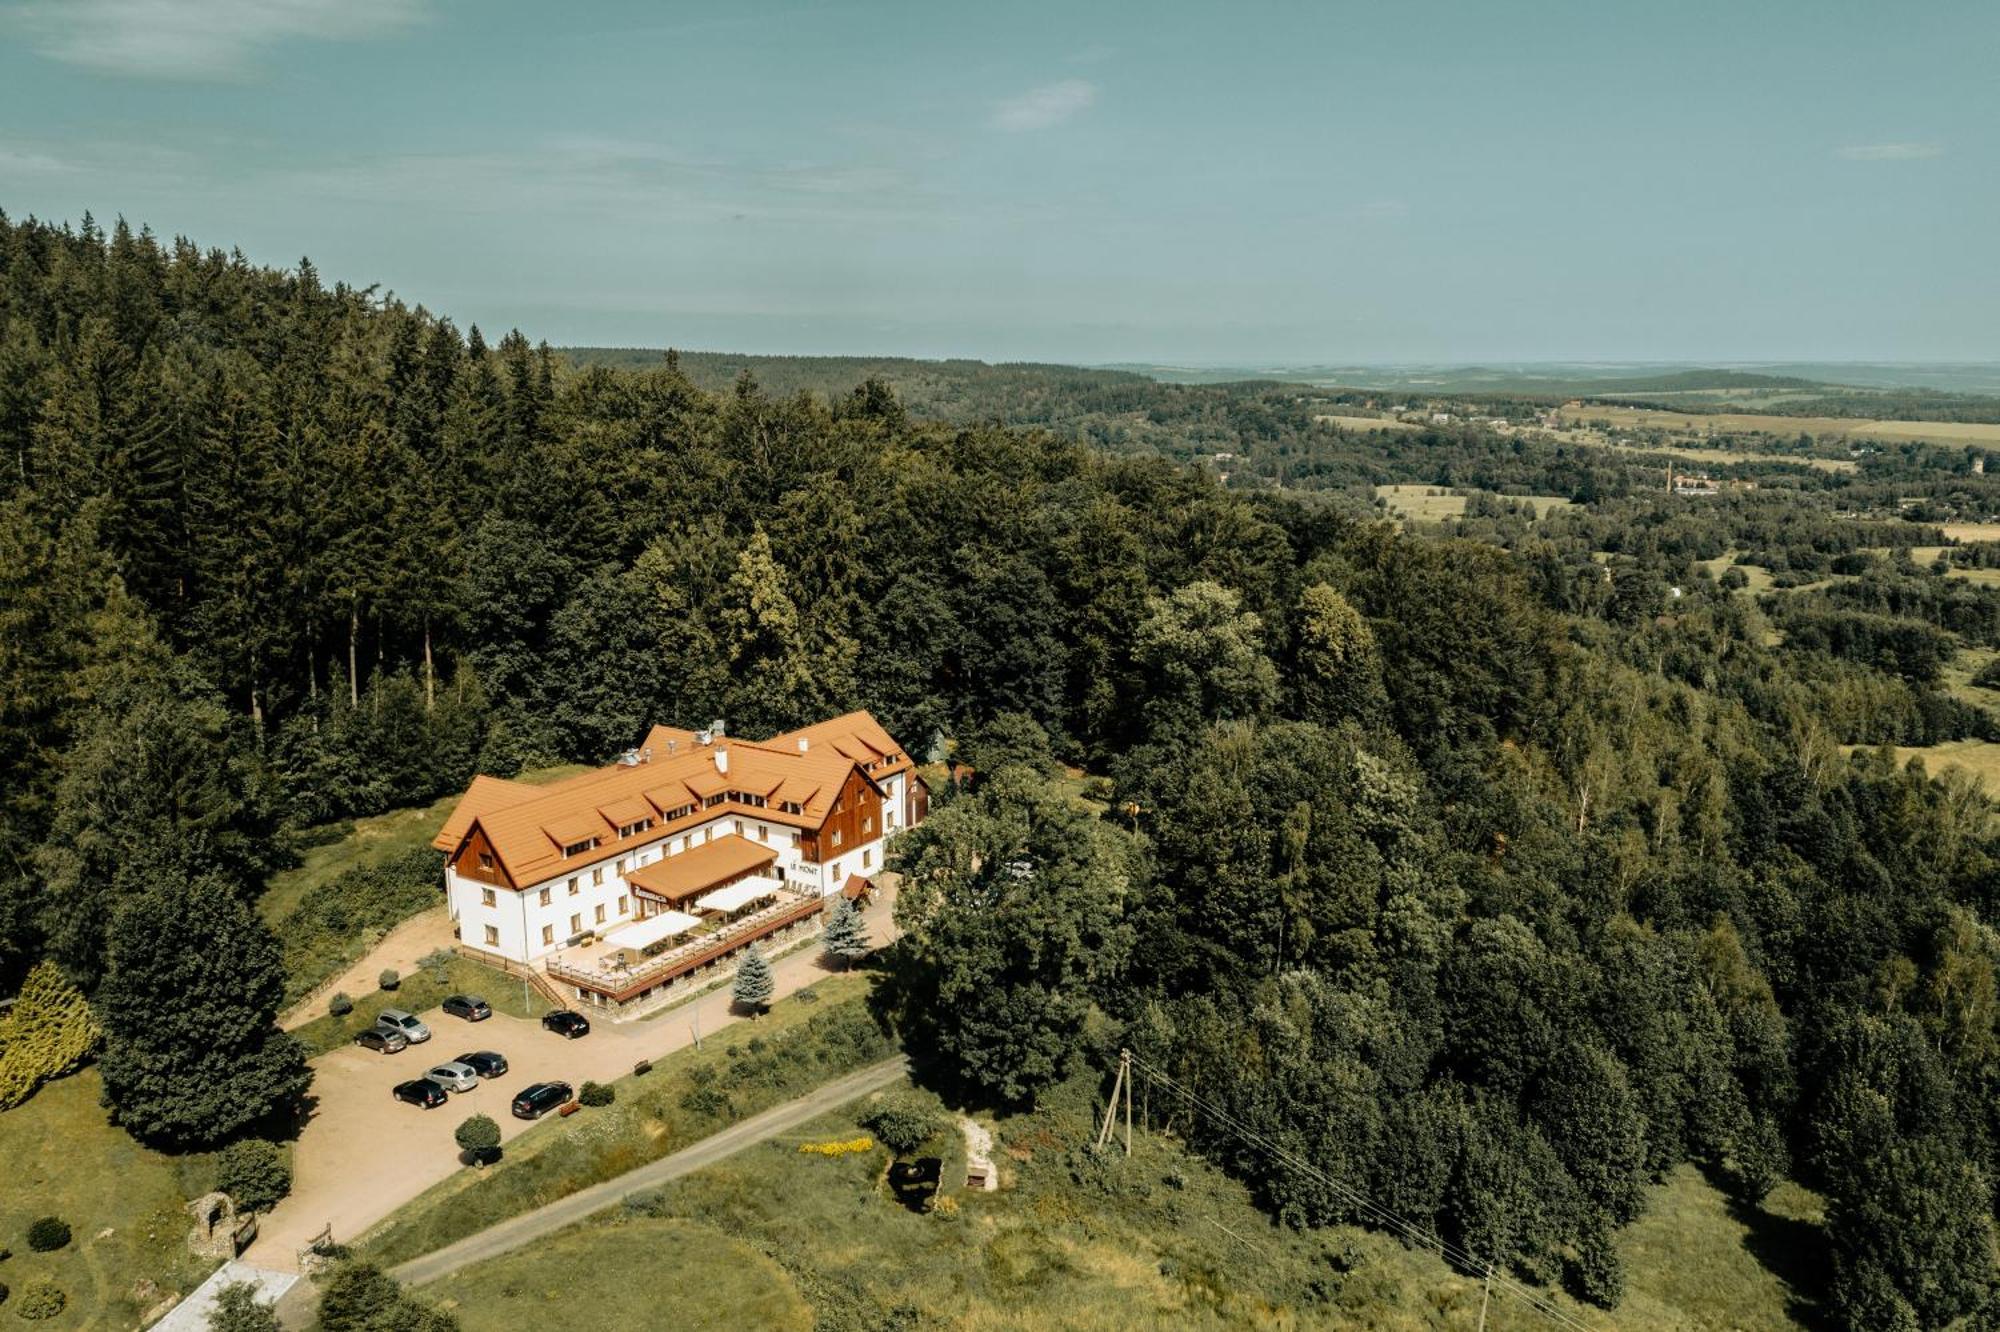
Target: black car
385 1039
469 1007
541 1098
567 1022
486 1063
420 1092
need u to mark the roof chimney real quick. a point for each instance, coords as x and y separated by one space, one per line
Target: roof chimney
720 727
805 743
722 761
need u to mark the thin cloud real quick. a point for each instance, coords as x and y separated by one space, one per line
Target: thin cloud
1890 152
196 39
1044 107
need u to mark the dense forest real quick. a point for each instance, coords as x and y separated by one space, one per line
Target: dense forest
1496 869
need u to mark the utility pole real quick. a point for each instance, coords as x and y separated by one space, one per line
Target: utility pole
1486 1298
1120 1085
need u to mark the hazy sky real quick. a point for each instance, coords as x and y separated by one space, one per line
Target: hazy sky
1232 183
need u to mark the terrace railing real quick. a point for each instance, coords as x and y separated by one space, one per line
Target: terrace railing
621 983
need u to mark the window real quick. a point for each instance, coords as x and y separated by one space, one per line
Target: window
486 897
634 829
486 860
548 935
868 824
492 937
739 827
708 833
578 848
687 841
836 871
621 905
836 837
867 859
795 841
621 867
597 876
576 924
600 913
572 885
542 898
763 832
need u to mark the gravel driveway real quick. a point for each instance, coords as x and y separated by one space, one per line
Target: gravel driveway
362 1154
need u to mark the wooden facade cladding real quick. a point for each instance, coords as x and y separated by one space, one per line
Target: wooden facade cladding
856 815
475 860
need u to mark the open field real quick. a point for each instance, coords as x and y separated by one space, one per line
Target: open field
1760 577
1430 504
1365 423
1718 457
729 1286
1822 427
373 840
60 1156
1972 531
1977 758
1162 1239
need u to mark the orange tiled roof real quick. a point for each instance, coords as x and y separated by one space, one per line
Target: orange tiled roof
528 826
680 877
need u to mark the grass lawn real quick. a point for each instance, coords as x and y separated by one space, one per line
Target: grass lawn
59 1156
1161 1240
639 1273
373 840
687 1096
421 989
1431 503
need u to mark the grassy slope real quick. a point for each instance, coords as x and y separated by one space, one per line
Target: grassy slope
422 990
1161 1240
642 1274
59 1156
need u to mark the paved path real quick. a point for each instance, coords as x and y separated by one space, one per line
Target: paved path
362 1154
550 1217
402 948
192 1313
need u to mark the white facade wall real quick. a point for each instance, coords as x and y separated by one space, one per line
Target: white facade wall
518 920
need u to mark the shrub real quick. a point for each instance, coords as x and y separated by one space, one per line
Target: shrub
478 1136
341 1005
704 1101
389 979
597 1094
903 1124
329 927
255 1173
47 1234
42 1299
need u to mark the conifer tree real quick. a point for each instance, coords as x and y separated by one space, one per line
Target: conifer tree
192 1051
46 1034
846 934
754 982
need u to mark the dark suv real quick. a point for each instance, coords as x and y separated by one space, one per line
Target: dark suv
420 1092
469 1007
567 1022
541 1098
382 1039
486 1063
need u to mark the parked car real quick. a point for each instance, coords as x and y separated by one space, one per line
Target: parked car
395 1019
567 1022
541 1098
486 1063
470 1007
454 1076
386 1040
420 1092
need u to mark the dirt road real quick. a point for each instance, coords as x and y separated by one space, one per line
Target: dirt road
362 1154
546 1220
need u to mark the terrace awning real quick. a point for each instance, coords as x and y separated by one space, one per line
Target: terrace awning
677 878
641 934
736 895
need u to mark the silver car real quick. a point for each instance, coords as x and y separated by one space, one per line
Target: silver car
454 1076
395 1019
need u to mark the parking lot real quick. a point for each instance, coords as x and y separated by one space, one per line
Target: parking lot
363 1154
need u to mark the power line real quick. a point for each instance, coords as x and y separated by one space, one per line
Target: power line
1362 1203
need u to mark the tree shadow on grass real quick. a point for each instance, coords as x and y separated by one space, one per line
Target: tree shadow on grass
1792 1250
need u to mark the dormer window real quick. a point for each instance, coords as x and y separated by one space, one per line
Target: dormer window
634 829
579 848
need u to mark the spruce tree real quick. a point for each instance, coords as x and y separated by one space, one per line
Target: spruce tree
754 982
193 1054
846 934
